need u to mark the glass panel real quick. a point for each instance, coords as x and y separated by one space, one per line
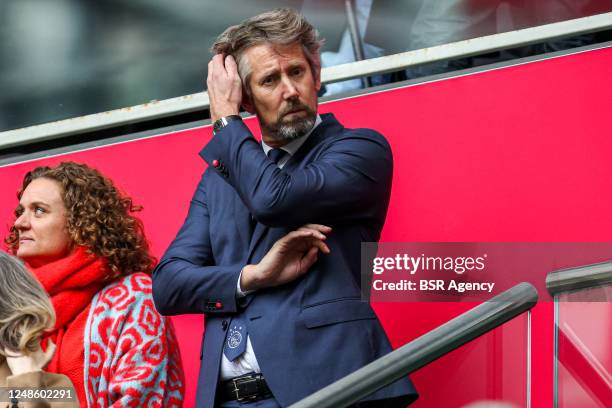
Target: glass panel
67 58
412 25
408 25
490 371
584 332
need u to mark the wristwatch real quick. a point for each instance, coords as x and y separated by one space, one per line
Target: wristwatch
224 121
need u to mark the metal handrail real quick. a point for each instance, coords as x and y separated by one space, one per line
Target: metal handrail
582 277
425 349
200 101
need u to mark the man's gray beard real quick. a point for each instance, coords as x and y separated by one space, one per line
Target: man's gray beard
295 129
288 131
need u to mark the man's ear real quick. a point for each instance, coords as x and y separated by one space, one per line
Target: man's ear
247 102
317 78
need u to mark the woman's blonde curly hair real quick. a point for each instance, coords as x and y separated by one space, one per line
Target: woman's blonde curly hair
98 217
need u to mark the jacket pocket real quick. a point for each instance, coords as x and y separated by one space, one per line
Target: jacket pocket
337 311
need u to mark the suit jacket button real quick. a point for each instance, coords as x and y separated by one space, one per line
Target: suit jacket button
224 325
218 305
215 163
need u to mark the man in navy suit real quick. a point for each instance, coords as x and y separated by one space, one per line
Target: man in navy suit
270 249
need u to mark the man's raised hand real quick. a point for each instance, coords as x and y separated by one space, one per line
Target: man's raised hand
224 87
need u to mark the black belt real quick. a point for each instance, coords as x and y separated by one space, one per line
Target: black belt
248 387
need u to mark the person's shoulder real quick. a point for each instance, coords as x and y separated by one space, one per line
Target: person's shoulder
126 293
128 303
138 282
366 140
367 133
337 132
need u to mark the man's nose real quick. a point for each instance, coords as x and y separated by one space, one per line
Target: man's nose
289 89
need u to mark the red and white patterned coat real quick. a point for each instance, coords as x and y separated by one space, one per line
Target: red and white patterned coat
132 357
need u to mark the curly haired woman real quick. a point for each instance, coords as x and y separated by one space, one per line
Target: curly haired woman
74 230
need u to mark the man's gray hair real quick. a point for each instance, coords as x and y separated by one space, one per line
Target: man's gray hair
282 26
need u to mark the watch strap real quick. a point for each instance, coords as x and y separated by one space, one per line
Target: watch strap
224 121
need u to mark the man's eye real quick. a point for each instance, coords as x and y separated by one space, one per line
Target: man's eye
297 71
39 210
18 212
267 80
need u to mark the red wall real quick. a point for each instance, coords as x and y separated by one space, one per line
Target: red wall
516 154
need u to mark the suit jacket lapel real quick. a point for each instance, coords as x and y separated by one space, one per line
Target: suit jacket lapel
257 234
244 221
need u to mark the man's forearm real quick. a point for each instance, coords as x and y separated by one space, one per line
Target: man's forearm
180 287
350 180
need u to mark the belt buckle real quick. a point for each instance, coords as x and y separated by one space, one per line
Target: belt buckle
249 386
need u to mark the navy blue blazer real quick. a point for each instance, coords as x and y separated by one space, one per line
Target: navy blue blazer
310 332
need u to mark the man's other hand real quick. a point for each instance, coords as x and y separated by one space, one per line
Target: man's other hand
224 87
289 258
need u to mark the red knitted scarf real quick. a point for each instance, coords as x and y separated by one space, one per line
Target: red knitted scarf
72 282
